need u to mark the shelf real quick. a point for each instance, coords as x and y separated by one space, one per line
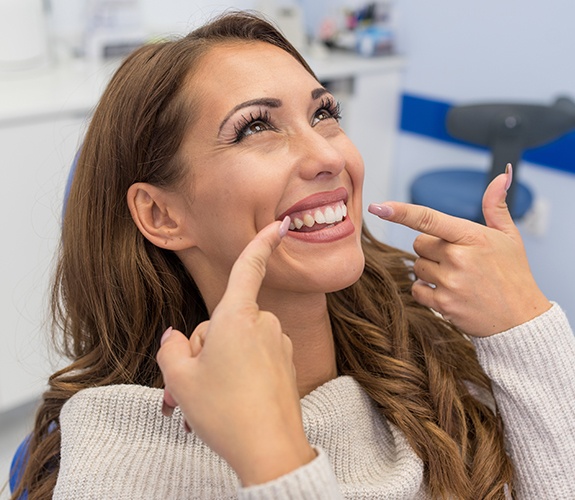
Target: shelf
74 88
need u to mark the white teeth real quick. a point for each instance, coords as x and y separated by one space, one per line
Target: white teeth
329 215
319 217
338 213
308 220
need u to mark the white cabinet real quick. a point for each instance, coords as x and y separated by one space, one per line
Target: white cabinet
372 125
42 119
35 157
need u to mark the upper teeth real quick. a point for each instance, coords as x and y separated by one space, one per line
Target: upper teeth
328 214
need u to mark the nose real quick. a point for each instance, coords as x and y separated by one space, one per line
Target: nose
318 156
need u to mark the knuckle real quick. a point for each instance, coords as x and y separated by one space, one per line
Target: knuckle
476 236
255 263
455 253
450 282
420 292
254 257
288 345
426 220
416 292
173 373
244 309
271 320
443 304
418 244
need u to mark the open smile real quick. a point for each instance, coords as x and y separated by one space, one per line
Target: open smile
321 217
318 218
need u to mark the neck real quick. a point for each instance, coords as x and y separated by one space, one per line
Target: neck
305 320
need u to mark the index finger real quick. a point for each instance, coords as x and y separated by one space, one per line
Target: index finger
424 219
249 270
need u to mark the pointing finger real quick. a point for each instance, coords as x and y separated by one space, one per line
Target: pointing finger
423 219
248 271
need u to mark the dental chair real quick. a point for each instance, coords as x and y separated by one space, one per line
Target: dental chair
507 130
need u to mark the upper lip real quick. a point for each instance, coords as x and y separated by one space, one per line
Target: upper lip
316 200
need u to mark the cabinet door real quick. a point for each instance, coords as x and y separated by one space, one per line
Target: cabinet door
371 116
35 160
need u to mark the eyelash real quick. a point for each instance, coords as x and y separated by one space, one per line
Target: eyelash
332 106
263 117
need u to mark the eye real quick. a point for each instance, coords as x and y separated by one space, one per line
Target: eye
328 110
253 124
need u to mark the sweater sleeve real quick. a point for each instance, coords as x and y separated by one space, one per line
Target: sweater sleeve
314 481
532 367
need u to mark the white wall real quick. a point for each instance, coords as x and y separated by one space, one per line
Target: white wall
495 49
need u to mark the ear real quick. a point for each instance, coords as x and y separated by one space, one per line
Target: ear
160 216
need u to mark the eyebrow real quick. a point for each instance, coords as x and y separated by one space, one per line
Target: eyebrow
317 93
269 102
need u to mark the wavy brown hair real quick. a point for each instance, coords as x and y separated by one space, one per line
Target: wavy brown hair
114 293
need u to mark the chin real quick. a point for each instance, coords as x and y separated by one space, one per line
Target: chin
340 275
348 278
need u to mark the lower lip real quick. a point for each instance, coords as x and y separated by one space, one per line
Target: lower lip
327 235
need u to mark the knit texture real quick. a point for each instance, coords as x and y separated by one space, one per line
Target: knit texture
116 444
533 372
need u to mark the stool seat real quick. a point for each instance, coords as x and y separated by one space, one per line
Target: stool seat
459 192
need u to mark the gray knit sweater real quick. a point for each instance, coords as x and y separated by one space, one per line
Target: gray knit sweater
117 445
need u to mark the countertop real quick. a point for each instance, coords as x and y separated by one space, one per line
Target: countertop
75 87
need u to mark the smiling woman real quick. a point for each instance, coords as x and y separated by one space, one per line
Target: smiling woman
217 195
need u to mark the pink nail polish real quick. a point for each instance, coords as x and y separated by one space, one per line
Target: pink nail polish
284 226
165 335
383 211
509 172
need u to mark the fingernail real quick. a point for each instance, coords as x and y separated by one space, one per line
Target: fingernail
383 211
509 172
284 226
165 335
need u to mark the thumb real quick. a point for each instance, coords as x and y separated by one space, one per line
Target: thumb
495 209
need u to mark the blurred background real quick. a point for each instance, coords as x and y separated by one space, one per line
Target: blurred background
398 67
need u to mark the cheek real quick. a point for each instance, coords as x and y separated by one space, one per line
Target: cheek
356 168
354 164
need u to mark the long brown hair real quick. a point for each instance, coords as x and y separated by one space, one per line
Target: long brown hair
114 293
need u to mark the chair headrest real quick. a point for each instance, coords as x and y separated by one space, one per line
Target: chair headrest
530 125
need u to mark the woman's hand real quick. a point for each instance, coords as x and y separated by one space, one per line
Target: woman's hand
476 276
235 380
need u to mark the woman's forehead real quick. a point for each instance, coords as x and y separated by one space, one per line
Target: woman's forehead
243 65
233 73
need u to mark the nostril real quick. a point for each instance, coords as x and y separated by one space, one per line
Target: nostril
324 173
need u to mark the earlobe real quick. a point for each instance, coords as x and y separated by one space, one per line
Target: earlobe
158 216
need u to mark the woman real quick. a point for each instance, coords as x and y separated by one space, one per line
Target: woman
216 194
